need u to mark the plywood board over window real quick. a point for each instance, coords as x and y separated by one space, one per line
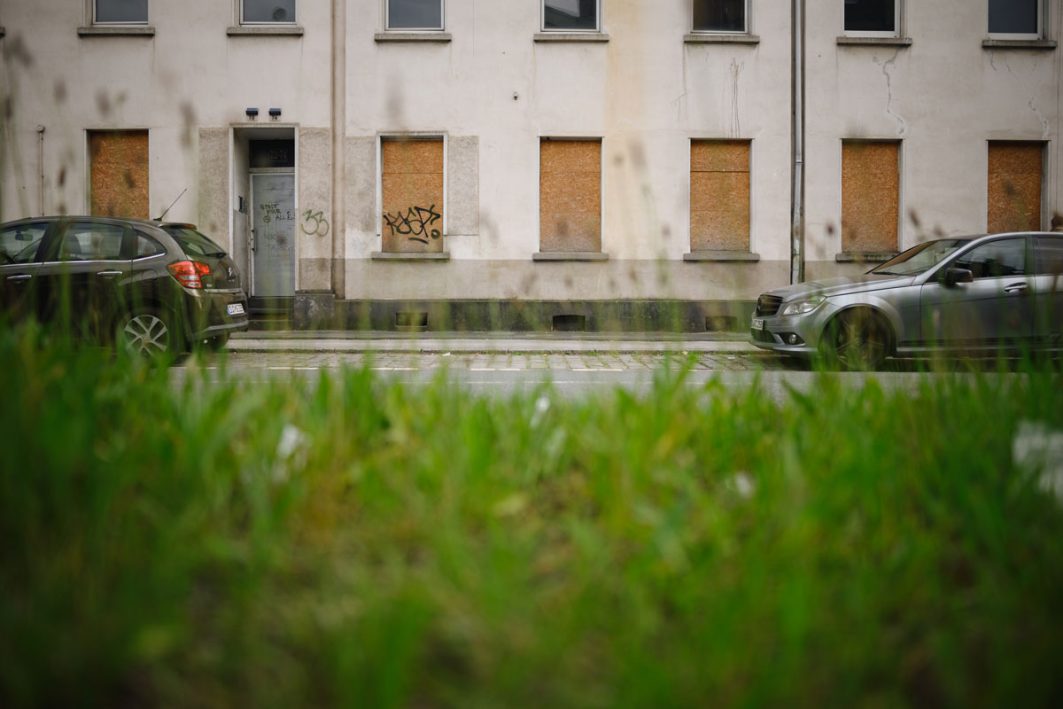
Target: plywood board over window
412 192
1015 170
570 195
118 173
870 196
719 195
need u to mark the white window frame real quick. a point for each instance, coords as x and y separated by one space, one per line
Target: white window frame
442 20
898 14
240 17
118 23
1019 35
744 30
597 20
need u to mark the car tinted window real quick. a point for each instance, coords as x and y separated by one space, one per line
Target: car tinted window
19 244
193 243
1049 255
89 241
996 259
146 246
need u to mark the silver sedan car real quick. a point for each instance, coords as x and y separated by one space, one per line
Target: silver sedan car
978 294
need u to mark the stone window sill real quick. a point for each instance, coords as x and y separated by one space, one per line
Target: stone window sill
721 38
265 31
865 256
117 31
846 41
430 36
555 256
571 37
410 256
1044 44
722 256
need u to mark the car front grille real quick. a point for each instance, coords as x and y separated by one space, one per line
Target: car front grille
768 304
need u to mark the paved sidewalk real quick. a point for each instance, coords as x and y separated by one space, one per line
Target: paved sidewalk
344 341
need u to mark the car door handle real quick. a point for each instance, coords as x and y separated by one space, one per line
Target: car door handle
1015 288
18 278
109 274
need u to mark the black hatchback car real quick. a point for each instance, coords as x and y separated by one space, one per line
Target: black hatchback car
154 287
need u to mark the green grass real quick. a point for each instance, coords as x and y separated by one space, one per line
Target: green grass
349 541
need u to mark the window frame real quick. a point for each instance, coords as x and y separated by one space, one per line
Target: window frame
442 20
570 30
93 13
1020 35
898 17
381 138
745 22
260 23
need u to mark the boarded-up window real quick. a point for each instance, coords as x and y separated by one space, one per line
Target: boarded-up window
570 195
1015 171
412 176
870 196
118 166
719 195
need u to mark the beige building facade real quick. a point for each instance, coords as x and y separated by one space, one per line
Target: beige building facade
449 163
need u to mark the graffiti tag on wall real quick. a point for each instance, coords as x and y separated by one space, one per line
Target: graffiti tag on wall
415 223
318 225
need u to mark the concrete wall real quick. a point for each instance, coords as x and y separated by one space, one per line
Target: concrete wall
494 91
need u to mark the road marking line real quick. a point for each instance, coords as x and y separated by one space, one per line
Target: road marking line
482 369
394 369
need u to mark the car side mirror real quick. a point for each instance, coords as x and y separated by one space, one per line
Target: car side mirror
954 276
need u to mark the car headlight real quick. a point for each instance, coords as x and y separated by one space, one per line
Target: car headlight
800 307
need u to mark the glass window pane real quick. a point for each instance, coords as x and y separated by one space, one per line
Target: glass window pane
720 15
146 246
570 14
870 16
19 244
1050 256
996 259
1013 16
121 10
415 14
269 11
92 242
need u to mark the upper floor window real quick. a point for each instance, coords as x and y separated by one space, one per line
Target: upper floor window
120 12
873 18
720 15
415 14
1016 19
267 11
569 15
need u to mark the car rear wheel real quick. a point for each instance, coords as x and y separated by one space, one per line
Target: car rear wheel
148 334
857 340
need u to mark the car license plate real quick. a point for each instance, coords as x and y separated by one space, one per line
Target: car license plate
235 308
758 323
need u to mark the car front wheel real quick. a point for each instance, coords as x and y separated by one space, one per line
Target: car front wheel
857 340
148 334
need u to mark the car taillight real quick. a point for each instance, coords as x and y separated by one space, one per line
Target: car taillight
190 273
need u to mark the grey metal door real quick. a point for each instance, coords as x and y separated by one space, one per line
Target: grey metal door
273 235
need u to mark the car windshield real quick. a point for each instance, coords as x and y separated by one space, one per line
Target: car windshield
919 258
193 243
